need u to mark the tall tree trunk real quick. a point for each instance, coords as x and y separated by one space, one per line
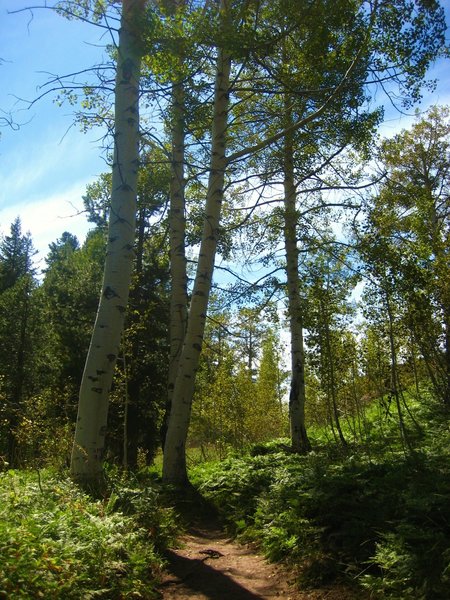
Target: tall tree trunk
88 447
177 224
178 302
174 465
297 395
132 384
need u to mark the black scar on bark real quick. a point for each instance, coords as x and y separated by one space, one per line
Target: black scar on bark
109 293
111 357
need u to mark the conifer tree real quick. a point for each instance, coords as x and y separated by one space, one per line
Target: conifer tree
16 321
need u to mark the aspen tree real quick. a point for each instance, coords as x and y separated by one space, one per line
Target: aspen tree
174 465
88 447
297 394
363 47
177 222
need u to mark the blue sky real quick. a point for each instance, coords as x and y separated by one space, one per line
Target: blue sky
46 164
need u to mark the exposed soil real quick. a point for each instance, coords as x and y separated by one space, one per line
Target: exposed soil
210 566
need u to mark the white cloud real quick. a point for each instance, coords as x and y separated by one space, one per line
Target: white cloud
43 180
47 160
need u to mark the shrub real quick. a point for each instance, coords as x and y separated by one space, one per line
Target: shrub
383 522
55 542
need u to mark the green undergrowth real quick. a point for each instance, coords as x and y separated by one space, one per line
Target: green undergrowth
57 542
376 518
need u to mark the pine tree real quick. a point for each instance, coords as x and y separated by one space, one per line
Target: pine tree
16 318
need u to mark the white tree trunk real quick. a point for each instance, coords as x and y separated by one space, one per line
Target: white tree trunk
174 465
88 447
297 393
177 224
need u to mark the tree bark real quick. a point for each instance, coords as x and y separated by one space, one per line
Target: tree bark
174 465
297 395
132 383
177 225
88 447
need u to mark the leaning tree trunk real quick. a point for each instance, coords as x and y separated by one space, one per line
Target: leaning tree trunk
178 304
88 447
297 395
174 465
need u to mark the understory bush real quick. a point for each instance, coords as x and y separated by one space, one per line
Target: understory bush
382 522
56 542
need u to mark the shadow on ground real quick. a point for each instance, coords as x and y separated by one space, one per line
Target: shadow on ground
196 575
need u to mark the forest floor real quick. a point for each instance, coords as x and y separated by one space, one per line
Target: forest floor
208 565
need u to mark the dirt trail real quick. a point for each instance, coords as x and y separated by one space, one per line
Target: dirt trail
210 566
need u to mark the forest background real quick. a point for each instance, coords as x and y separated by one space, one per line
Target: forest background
340 234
